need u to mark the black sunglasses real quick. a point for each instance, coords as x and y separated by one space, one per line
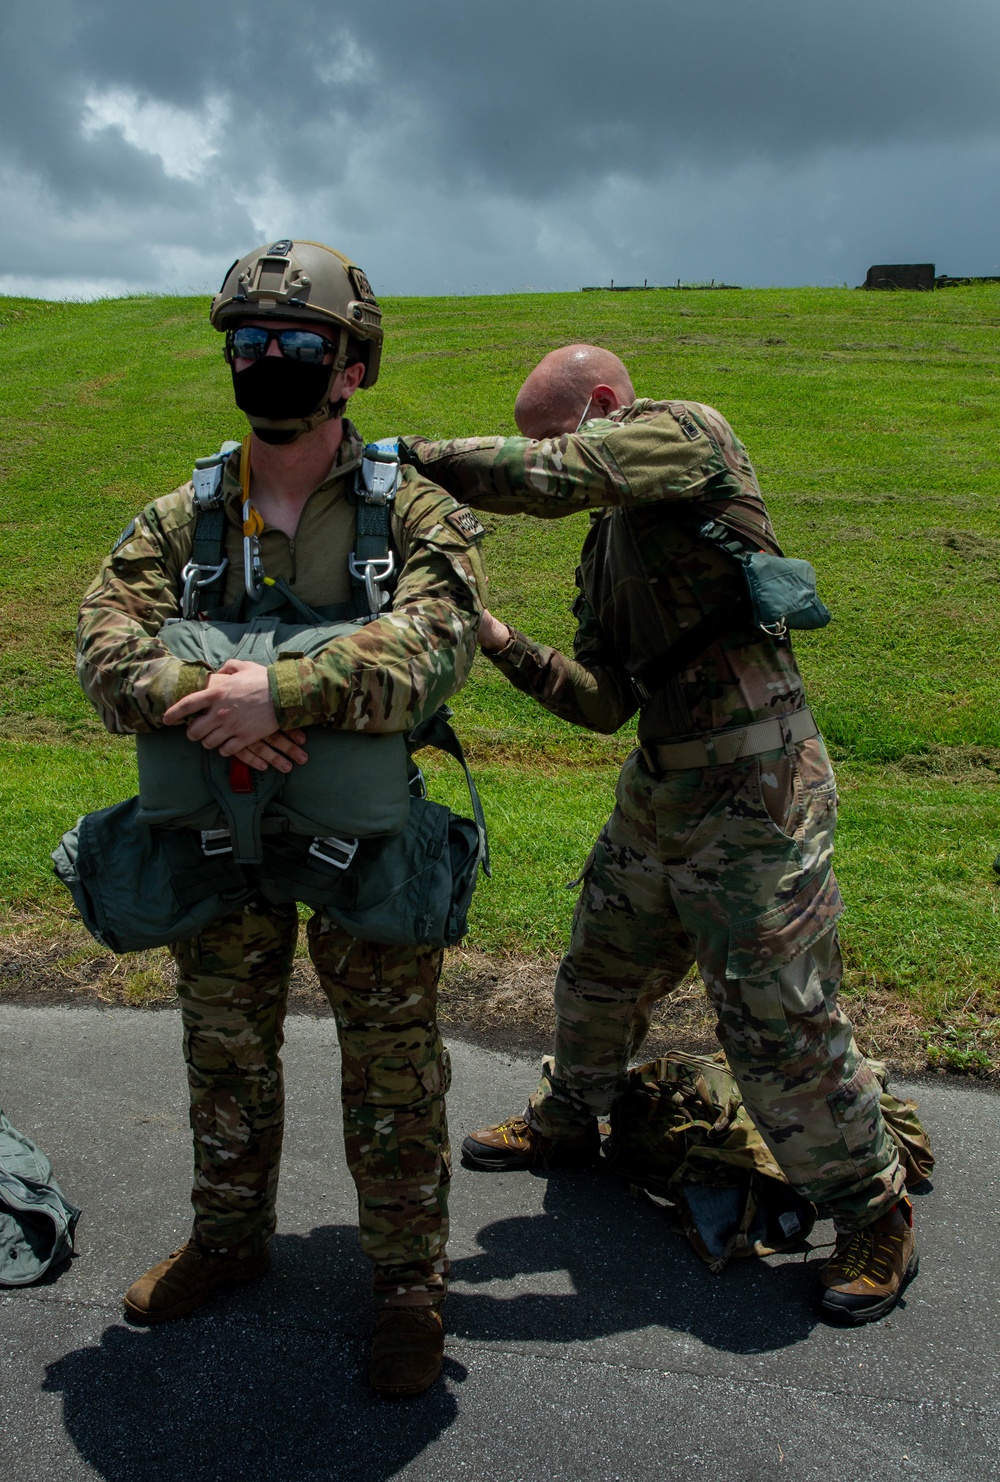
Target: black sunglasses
252 341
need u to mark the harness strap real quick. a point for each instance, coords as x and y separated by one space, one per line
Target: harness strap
372 563
653 677
435 731
204 574
656 675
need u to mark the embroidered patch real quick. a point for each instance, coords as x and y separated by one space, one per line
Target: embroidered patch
126 534
690 431
465 522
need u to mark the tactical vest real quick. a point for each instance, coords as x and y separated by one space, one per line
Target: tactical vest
354 786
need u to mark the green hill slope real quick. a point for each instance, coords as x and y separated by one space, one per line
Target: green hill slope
872 421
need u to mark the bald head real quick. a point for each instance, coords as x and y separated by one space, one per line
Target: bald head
568 382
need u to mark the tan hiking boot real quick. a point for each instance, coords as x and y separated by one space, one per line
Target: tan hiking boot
514 1144
870 1268
407 1350
187 1279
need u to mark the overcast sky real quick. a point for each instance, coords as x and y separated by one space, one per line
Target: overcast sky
492 145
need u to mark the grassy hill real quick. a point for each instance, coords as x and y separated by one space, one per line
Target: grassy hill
872 421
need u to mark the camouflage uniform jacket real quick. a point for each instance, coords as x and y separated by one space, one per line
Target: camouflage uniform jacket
383 677
652 472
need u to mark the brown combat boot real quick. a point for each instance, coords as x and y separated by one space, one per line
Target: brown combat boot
187 1279
514 1144
870 1268
407 1350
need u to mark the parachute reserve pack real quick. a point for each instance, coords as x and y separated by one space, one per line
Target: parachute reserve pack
680 1132
350 831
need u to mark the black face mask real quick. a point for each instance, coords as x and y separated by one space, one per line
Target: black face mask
280 389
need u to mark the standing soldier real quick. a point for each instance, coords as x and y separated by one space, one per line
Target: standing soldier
293 534
719 849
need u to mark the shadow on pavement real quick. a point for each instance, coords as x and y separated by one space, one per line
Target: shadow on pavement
627 1270
268 1382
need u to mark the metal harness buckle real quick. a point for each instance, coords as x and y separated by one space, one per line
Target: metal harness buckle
194 578
213 836
373 574
341 851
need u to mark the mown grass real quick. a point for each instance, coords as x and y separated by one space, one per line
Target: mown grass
872 420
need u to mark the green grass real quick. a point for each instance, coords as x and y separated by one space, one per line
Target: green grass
873 423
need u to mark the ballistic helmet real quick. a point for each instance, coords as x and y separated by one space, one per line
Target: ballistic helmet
305 280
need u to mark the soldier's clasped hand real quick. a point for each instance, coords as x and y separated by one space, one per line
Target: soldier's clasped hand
234 715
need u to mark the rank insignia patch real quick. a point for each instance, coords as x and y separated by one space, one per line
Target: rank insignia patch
126 534
465 522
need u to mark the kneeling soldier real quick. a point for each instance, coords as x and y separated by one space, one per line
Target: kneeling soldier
294 536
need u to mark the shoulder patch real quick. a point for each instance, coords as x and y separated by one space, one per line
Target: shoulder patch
690 430
126 534
465 522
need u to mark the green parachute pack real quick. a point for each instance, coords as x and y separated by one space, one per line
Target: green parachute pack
680 1133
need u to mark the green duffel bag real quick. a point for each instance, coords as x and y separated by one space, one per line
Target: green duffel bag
680 1132
37 1221
139 887
354 785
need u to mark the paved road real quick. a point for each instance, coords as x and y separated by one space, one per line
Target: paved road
587 1343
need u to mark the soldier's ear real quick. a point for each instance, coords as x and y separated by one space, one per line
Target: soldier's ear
605 399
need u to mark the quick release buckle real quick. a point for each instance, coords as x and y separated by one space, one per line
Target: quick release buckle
379 473
333 851
195 578
212 842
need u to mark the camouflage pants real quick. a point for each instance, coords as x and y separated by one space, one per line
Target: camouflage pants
233 985
729 867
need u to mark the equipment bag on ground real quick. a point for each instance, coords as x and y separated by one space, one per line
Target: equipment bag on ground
680 1132
37 1221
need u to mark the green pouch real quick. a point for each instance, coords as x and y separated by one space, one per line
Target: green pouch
139 887
782 589
783 593
415 887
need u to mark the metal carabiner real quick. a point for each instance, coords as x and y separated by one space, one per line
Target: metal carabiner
373 574
194 578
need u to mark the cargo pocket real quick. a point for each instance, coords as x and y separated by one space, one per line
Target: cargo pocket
763 944
856 1111
395 1127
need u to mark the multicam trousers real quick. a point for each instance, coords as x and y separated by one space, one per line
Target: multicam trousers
729 867
233 985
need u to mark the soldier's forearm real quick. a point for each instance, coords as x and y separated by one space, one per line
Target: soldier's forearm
592 698
133 697
516 475
397 670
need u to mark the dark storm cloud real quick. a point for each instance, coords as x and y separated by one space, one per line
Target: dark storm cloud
153 138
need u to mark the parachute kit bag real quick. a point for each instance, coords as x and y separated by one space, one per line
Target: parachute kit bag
681 1133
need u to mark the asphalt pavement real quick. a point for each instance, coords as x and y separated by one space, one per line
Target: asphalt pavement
586 1342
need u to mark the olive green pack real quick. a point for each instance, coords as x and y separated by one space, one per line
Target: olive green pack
353 786
137 885
680 1132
